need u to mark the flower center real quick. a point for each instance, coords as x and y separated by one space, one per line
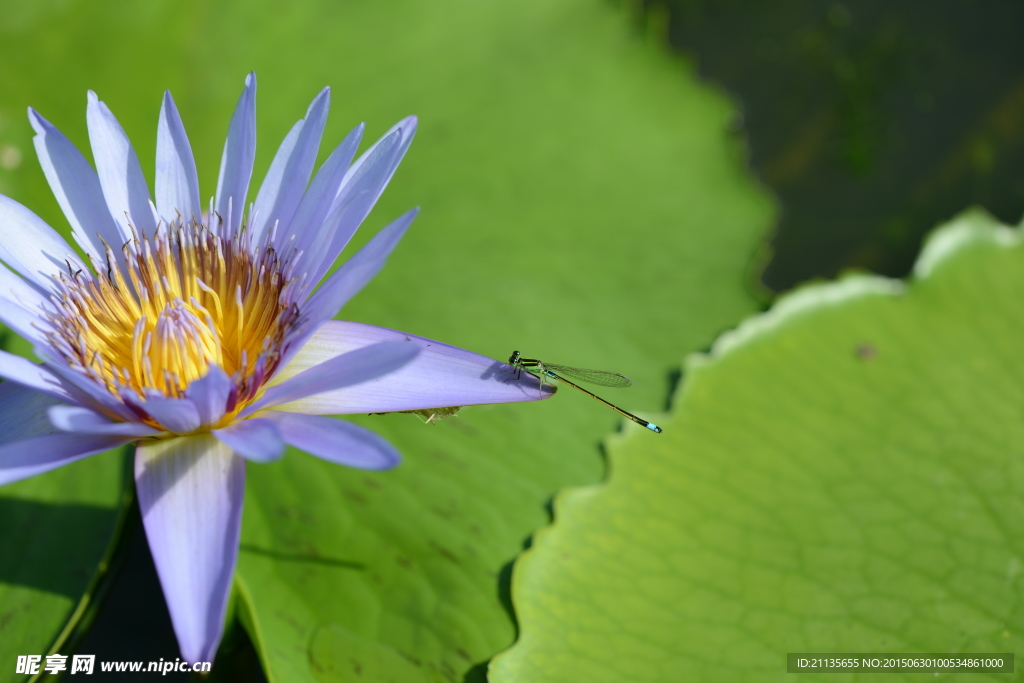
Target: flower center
175 304
181 344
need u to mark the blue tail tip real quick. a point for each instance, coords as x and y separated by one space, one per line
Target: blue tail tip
654 428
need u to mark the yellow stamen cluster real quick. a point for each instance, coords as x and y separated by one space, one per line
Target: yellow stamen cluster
174 304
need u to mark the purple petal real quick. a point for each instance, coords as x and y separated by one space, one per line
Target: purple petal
210 395
320 195
337 441
21 306
31 247
38 454
368 176
177 184
17 291
31 375
345 370
84 421
440 376
77 189
124 186
23 412
254 439
190 493
353 275
179 415
236 161
282 188
356 196
406 128
85 391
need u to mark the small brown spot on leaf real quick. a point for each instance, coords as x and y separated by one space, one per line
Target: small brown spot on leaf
866 352
444 552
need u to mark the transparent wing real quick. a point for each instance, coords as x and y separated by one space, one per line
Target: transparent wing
599 378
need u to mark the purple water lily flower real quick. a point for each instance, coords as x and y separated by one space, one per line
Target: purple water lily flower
204 339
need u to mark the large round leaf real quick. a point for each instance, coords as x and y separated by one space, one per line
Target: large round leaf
841 474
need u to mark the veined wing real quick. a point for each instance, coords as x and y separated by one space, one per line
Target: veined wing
601 378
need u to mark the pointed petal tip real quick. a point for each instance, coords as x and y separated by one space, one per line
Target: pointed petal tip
387 461
322 100
336 441
38 123
407 126
401 224
92 97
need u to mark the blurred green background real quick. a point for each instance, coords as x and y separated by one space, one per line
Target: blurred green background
597 183
871 121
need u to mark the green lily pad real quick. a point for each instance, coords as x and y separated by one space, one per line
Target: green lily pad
58 533
841 474
583 201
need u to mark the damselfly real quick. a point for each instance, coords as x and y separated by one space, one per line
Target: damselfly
598 377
